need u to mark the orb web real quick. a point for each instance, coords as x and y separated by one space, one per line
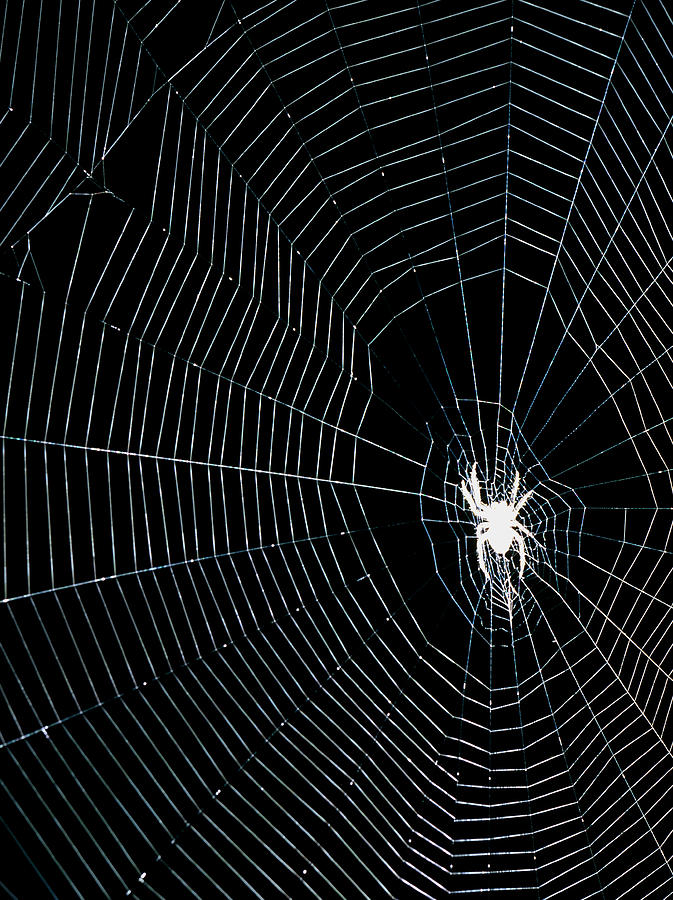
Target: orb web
276 278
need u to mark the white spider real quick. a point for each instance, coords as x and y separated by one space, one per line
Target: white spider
499 527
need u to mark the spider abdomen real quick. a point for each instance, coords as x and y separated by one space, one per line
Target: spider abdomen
500 538
500 524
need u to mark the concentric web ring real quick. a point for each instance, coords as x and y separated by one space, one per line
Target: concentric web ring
277 277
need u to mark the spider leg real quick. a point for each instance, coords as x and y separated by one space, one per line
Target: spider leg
476 490
481 540
515 489
470 499
521 503
522 552
525 530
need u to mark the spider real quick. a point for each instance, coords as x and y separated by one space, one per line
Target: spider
500 526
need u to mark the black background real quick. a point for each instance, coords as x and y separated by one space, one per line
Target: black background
308 251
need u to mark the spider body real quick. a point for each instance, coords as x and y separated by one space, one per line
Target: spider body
499 527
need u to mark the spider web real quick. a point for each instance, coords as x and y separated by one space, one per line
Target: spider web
279 276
